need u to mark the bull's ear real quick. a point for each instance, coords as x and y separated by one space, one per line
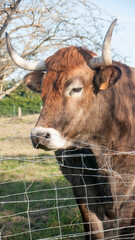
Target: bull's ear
33 80
106 77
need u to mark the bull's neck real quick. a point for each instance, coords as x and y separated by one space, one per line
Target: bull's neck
113 126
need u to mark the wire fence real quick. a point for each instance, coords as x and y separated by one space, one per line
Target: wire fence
37 200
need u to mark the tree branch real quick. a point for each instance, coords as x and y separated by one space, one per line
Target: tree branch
2 95
9 17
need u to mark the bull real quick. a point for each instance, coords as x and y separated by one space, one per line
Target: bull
88 120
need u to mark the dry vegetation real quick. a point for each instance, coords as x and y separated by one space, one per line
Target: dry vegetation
15 136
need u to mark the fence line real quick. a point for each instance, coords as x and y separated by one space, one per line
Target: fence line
36 200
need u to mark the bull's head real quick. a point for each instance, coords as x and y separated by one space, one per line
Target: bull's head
71 89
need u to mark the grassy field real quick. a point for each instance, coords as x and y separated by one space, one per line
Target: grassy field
15 136
36 202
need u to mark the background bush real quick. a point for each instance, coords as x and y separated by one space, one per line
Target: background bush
29 102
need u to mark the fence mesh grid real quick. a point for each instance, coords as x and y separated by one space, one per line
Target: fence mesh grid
36 200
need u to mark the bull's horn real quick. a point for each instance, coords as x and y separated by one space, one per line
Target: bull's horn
106 58
31 66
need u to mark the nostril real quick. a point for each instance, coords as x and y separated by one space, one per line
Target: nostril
41 137
47 136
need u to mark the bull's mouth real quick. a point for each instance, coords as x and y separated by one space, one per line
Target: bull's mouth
40 146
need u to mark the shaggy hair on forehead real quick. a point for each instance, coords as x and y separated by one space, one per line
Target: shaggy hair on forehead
67 58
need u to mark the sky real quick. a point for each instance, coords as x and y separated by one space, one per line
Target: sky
124 38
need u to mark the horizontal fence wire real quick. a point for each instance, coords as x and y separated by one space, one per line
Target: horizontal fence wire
37 200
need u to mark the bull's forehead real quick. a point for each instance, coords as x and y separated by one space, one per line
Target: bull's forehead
53 80
68 58
67 63
83 71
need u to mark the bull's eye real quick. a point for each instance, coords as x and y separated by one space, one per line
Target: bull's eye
75 91
73 88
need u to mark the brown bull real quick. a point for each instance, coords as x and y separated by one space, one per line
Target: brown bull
88 119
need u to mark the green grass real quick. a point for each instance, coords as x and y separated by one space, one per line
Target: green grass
29 102
29 186
34 201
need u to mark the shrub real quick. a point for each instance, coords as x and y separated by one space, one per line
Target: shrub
22 97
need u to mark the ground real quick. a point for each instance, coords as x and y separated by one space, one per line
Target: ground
36 202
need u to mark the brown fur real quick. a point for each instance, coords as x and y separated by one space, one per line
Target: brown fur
68 58
102 116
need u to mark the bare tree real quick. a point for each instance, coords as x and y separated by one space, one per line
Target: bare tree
37 28
9 15
6 12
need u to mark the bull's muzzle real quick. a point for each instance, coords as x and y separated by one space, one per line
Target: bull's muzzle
48 139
